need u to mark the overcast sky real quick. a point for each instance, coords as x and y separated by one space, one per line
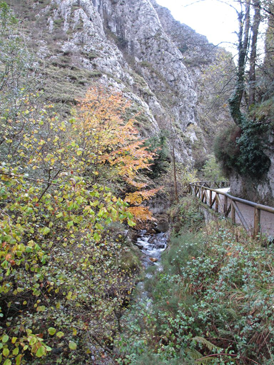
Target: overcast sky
211 18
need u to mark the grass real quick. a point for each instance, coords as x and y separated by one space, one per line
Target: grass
65 85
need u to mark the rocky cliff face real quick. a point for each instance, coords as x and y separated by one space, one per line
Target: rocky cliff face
211 68
134 46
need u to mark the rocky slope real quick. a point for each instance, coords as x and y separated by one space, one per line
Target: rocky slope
137 47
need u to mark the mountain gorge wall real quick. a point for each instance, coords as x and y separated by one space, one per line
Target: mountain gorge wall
134 46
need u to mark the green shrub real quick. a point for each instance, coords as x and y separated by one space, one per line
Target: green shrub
226 148
253 160
241 149
186 216
158 145
212 170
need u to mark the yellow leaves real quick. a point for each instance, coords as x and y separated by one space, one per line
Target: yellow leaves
51 331
5 338
72 345
140 213
41 308
18 359
62 126
6 352
60 334
71 296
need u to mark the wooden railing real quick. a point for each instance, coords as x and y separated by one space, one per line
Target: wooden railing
212 184
255 218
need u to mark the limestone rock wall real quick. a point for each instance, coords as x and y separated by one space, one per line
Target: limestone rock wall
131 45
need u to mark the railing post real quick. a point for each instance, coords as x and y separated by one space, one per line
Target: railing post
204 198
217 202
225 204
210 197
233 213
257 221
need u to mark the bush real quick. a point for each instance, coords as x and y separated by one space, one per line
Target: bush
227 150
212 171
60 270
186 216
158 145
241 149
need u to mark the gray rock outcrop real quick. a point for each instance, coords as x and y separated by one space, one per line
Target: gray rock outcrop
134 46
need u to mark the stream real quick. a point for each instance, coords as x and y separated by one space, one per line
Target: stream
152 246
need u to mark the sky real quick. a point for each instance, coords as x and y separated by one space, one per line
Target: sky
212 18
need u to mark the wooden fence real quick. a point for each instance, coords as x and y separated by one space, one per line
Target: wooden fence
255 218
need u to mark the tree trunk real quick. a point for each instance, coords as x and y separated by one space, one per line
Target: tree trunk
253 53
175 176
243 36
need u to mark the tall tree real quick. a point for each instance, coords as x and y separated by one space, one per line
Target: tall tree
244 33
253 51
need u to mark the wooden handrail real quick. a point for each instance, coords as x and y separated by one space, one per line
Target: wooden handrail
266 208
199 189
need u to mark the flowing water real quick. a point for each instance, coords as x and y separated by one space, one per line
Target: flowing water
152 246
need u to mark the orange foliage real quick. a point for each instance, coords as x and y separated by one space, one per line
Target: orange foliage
139 196
141 213
108 138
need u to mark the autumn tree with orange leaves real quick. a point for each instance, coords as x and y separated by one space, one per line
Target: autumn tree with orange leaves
111 147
